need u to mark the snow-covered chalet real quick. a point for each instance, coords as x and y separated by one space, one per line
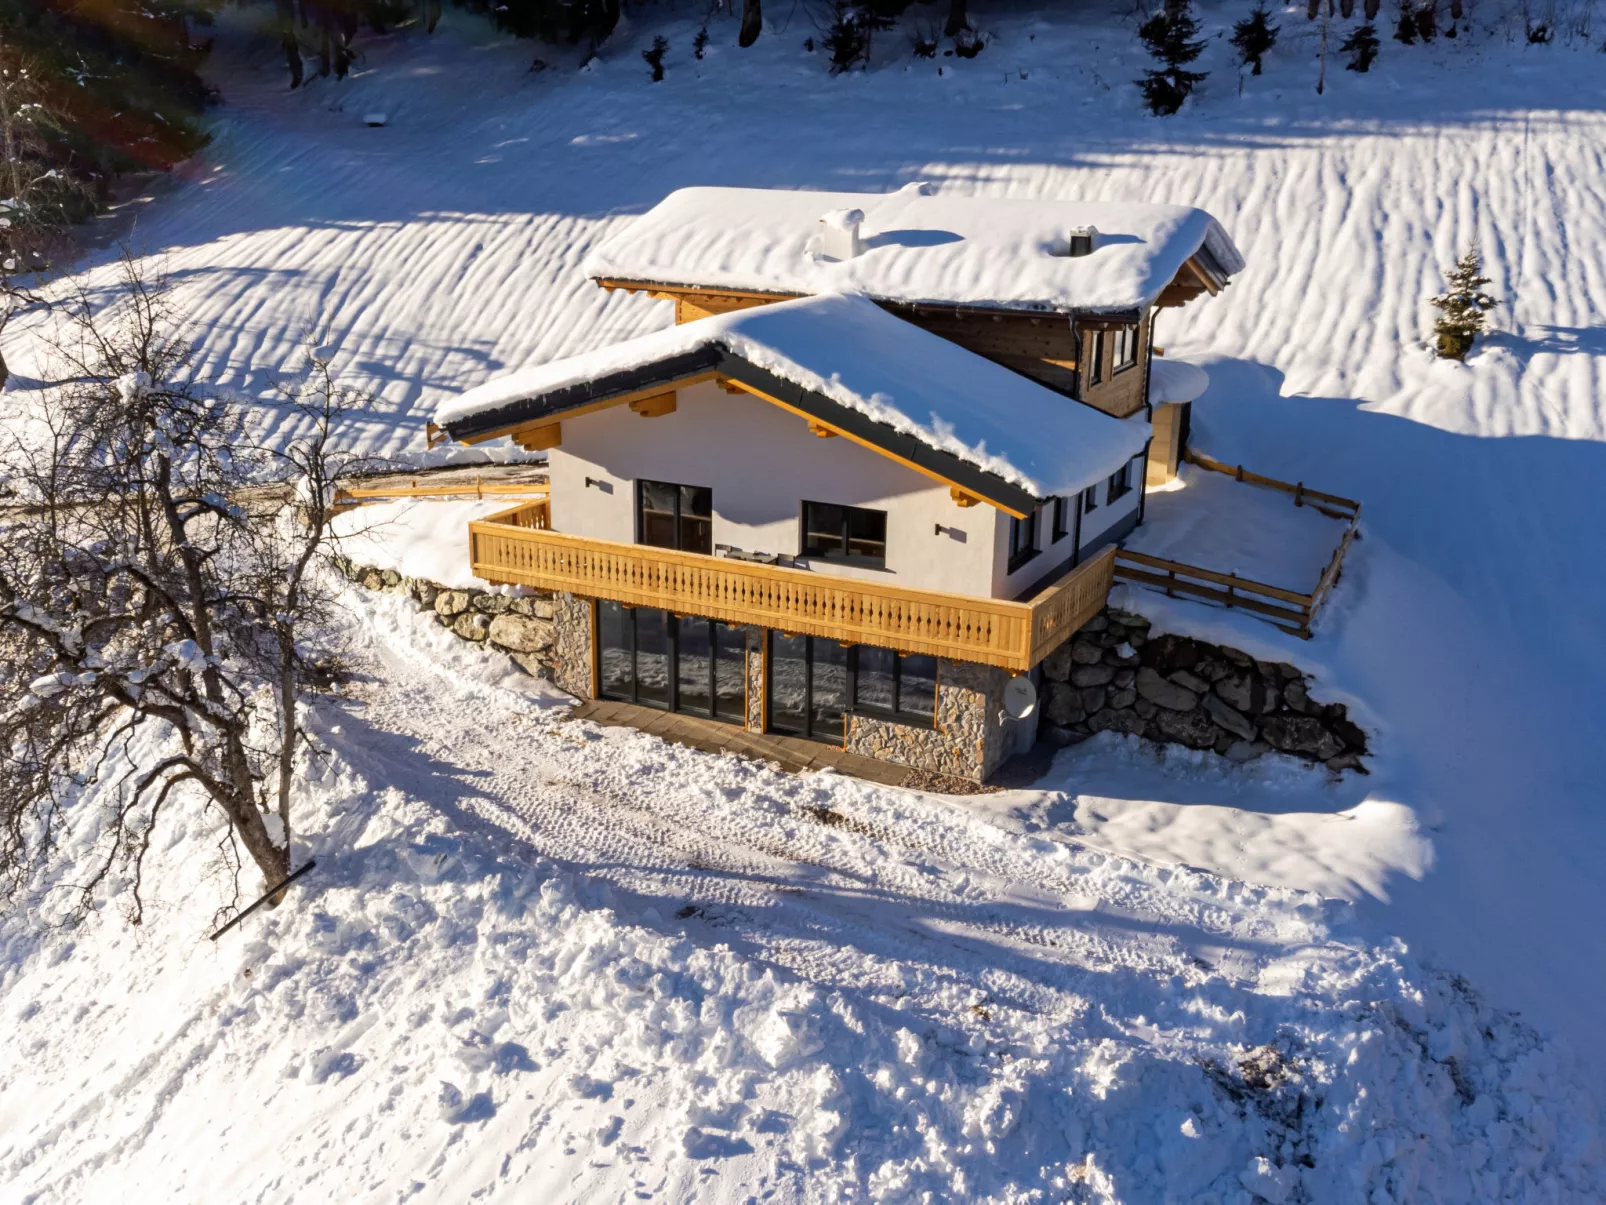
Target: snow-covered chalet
875 470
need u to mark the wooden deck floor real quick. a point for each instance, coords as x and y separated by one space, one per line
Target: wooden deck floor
792 754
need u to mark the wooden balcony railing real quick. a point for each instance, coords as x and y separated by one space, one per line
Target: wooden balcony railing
516 548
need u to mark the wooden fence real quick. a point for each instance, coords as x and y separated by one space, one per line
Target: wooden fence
348 497
1288 609
514 547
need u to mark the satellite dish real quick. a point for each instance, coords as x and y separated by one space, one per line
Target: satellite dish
1020 697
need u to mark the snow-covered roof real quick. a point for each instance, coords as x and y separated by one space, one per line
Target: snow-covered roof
919 247
845 360
1176 381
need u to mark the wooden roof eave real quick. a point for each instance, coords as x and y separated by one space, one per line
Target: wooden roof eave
714 362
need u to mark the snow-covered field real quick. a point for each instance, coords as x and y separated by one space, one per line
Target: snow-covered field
594 966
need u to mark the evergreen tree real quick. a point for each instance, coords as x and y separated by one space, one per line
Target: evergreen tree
1405 29
1361 46
1172 36
699 43
1254 36
1462 307
655 57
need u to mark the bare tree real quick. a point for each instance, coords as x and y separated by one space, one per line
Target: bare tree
151 587
37 198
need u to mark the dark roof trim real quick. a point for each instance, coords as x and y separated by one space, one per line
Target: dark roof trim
946 465
714 358
1016 309
665 372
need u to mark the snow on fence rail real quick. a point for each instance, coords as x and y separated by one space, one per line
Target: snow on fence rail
478 488
515 547
1288 609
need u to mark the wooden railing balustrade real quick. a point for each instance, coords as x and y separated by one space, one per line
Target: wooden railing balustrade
516 547
1288 609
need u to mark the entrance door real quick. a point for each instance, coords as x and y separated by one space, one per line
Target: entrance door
674 663
808 687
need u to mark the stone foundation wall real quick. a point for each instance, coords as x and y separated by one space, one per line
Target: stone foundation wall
755 679
968 739
572 654
522 626
1115 675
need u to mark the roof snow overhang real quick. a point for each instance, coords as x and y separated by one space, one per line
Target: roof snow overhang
521 416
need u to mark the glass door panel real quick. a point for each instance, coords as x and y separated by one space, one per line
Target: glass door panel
694 667
652 657
617 654
730 673
828 688
789 683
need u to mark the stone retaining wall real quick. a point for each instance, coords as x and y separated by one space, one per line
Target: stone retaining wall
520 625
1114 675
968 738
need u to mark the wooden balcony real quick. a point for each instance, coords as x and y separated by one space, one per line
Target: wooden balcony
515 547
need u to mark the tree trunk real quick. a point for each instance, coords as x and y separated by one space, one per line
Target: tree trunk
5 371
1455 10
1370 8
958 18
752 23
432 15
1346 9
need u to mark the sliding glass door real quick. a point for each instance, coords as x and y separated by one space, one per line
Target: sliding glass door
673 663
808 690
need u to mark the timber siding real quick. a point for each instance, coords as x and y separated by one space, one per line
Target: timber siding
1121 394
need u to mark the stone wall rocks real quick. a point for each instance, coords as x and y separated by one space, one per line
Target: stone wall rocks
1188 692
521 625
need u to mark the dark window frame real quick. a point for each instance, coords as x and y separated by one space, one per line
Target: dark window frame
1119 484
673 703
1061 508
1126 345
679 516
845 557
1090 499
897 713
1095 357
1023 539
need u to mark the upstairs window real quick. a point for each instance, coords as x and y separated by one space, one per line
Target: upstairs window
675 516
1062 518
1090 500
900 686
1120 483
1095 357
852 535
1022 540
1126 348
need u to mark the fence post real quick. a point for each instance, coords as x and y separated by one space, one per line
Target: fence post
1299 493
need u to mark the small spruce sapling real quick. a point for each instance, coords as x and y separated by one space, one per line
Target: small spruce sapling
1463 307
699 43
655 57
1361 46
1405 29
847 39
1172 36
1254 37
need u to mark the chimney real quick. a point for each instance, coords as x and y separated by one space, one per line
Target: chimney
840 241
1081 240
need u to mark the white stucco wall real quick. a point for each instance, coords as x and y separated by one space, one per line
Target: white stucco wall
761 463
1054 556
